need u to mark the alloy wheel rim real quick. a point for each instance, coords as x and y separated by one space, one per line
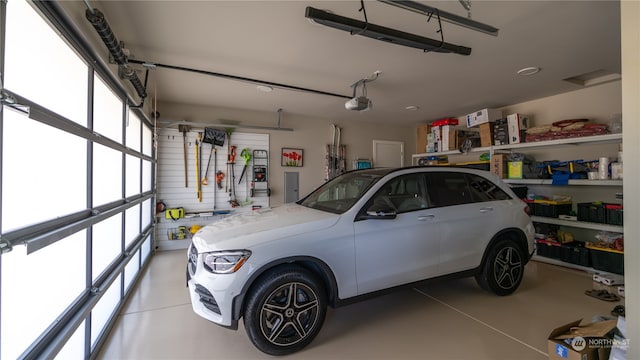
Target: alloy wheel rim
507 268
289 314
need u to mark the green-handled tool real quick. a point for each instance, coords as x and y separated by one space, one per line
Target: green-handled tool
245 154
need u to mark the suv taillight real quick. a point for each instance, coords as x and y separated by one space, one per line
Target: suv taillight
527 209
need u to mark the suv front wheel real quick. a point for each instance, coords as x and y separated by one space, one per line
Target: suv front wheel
285 310
503 269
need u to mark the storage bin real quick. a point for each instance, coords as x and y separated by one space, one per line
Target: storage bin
592 212
552 209
614 214
575 253
608 260
548 249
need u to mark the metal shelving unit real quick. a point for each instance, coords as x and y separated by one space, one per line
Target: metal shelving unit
558 143
577 224
572 182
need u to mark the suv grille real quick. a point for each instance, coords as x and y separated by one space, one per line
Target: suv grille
207 299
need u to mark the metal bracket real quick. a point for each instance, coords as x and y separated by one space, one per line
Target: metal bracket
439 31
7 99
366 21
5 246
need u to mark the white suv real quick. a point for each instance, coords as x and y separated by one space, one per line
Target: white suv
360 233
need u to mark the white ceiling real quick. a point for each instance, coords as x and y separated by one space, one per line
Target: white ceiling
274 42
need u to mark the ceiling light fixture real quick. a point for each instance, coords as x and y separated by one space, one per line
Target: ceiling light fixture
373 31
264 88
528 71
445 16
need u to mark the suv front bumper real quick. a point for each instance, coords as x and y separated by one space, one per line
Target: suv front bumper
212 295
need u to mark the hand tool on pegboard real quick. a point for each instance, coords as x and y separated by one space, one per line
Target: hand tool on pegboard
232 187
205 181
219 178
245 154
214 137
228 132
199 185
184 129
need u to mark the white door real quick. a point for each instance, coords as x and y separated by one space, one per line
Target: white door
388 153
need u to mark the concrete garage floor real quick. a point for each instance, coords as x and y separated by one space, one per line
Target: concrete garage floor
440 320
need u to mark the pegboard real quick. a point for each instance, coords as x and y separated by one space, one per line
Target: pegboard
171 182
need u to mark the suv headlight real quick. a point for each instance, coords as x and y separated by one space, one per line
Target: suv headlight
225 262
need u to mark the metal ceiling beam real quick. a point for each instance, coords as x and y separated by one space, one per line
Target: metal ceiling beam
451 18
240 78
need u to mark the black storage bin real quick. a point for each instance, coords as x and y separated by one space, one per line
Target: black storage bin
592 212
608 261
575 253
551 210
614 214
548 249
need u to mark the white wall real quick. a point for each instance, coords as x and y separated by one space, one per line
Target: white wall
597 103
310 134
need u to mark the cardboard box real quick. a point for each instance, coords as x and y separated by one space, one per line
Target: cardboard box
499 165
500 132
449 137
472 136
517 124
483 116
436 131
514 170
486 134
422 132
579 342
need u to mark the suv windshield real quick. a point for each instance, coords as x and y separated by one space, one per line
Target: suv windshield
339 194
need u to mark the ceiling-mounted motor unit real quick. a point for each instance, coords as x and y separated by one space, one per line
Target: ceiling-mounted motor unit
359 103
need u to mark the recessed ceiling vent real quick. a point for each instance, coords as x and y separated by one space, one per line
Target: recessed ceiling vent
592 78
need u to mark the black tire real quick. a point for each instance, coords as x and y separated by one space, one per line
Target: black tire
503 269
278 323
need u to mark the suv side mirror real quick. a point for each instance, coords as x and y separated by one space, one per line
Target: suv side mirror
381 212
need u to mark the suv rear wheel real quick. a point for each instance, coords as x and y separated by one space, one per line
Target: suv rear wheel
285 310
503 269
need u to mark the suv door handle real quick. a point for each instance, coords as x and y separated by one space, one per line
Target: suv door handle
426 217
486 209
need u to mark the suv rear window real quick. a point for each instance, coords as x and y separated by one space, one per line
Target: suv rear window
484 190
451 188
